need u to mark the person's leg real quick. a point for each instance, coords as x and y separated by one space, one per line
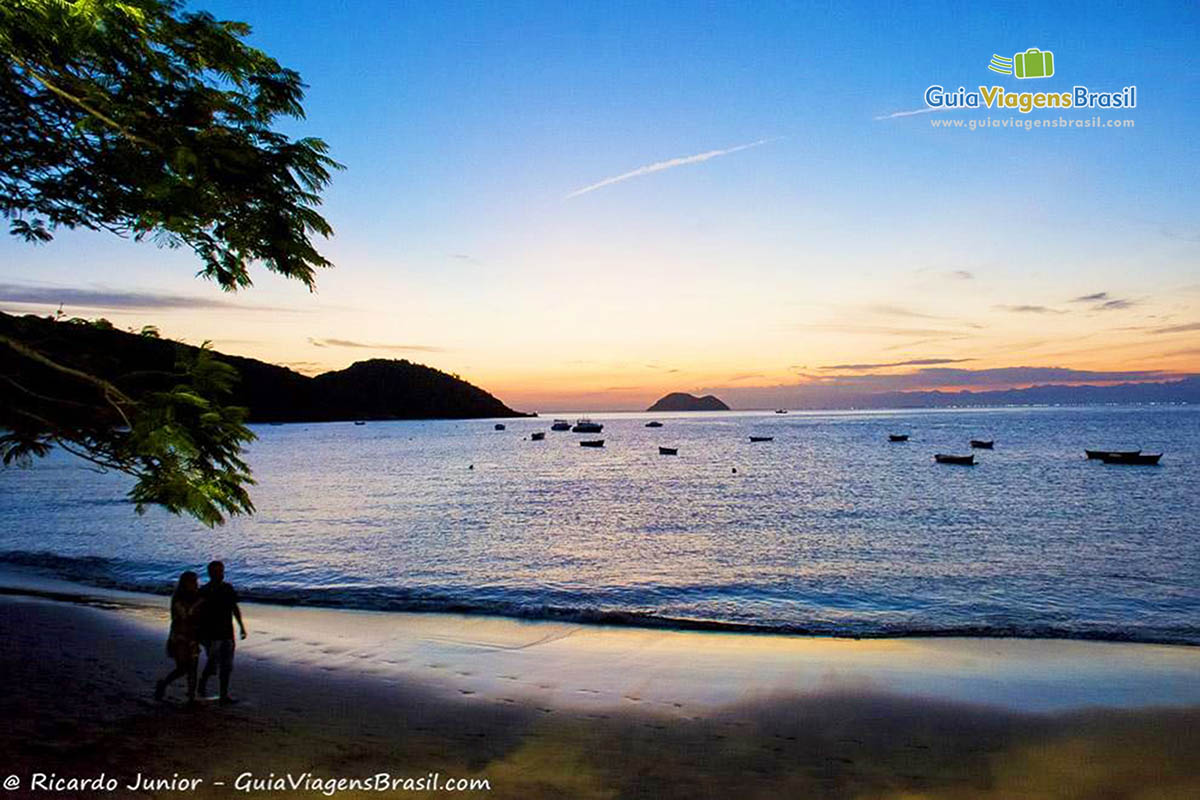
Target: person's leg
160 688
192 665
225 667
211 651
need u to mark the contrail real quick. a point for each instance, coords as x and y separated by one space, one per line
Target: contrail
661 165
913 113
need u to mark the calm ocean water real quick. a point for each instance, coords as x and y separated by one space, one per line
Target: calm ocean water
826 529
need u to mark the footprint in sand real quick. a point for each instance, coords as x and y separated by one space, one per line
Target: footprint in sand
465 691
283 639
464 674
508 677
587 691
633 698
507 700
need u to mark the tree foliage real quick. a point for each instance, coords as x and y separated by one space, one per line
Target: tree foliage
142 119
168 429
147 120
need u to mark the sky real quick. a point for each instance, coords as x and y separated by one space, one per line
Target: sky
585 206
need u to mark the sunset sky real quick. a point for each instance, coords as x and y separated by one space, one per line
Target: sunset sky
586 206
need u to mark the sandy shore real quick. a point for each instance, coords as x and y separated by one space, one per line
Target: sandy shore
556 710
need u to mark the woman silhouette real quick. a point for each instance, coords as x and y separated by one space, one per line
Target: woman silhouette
182 644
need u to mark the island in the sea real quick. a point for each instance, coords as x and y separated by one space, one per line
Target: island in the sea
682 401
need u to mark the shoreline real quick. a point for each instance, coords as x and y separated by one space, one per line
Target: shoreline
446 652
545 709
40 582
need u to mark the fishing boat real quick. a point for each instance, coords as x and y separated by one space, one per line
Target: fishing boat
592 443
356 422
983 444
897 437
762 438
560 425
781 411
668 451
587 426
966 461
537 436
653 424
1099 455
499 426
1145 459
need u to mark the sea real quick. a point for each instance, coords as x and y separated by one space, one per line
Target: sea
828 529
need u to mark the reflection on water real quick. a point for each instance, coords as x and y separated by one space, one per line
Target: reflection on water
827 528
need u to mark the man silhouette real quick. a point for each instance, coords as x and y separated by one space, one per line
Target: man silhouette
217 612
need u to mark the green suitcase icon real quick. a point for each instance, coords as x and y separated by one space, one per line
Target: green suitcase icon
1034 63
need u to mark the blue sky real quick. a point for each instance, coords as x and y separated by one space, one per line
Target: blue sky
843 239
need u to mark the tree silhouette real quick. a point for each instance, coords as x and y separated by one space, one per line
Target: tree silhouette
145 120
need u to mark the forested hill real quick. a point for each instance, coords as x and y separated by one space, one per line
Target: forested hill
375 389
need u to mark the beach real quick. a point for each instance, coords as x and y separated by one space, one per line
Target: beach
544 709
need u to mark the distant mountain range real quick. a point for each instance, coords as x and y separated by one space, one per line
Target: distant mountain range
375 389
1186 390
681 401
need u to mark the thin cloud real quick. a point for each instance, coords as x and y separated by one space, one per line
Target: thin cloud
102 298
1191 326
1102 301
912 113
879 330
898 311
962 275
414 348
665 165
1025 309
916 362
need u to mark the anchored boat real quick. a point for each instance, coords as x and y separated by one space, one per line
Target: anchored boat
1102 454
1144 459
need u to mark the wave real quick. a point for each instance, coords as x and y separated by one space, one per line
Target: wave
114 574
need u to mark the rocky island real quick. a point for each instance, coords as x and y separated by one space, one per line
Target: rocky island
682 401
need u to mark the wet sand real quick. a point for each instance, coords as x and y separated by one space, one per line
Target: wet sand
557 710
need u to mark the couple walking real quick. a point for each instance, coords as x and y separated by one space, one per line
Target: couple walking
202 615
